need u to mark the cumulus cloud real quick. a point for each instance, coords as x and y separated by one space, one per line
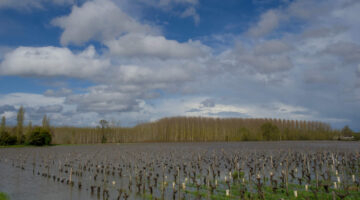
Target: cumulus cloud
50 109
272 47
267 23
28 100
319 76
58 93
6 108
145 75
171 6
208 103
140 68
265 58
97 20
138 45
52 61
349 52
267 64
102 99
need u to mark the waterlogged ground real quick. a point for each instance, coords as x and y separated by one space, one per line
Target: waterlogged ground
242 170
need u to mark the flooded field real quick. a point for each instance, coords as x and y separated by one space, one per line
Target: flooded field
239 170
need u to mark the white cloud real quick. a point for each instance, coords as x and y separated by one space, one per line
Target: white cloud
58 93
191 12
347 51
29 99
102 99
139 45
264 58
97 20
272 47
137 74
171 5
52 61
267 23
140 70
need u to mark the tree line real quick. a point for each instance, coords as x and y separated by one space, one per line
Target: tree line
200 129
20 135
172 129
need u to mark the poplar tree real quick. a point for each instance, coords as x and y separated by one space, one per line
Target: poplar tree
46 122
20 124
3 125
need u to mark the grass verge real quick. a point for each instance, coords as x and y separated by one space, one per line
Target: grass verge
3 196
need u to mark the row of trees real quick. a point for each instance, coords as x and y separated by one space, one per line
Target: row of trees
198 129
33 136
174 129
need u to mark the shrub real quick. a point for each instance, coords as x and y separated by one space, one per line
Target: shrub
270 131
356 136
346 132
6 139
39 137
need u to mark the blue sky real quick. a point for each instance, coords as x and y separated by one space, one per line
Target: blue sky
131 61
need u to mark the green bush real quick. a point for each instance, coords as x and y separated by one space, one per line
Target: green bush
39 137
356 136
6 139
270 131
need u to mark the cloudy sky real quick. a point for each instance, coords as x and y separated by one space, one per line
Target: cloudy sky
132 61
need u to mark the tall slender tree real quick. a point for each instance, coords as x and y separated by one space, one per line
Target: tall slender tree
28 130
3 125
46 122
104 125
20 124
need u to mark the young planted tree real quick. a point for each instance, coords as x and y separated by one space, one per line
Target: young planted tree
20 124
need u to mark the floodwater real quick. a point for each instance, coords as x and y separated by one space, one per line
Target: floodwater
44 172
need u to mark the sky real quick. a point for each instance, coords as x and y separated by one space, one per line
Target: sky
134 61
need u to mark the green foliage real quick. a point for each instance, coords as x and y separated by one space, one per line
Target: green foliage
3 124
104 126
245 134
6 139
40 136
103 139
356 136
346 131
237 175
270 131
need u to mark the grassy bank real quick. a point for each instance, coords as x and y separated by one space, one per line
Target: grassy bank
14 146
4 196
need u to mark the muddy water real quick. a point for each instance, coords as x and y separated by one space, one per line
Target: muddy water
22 169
